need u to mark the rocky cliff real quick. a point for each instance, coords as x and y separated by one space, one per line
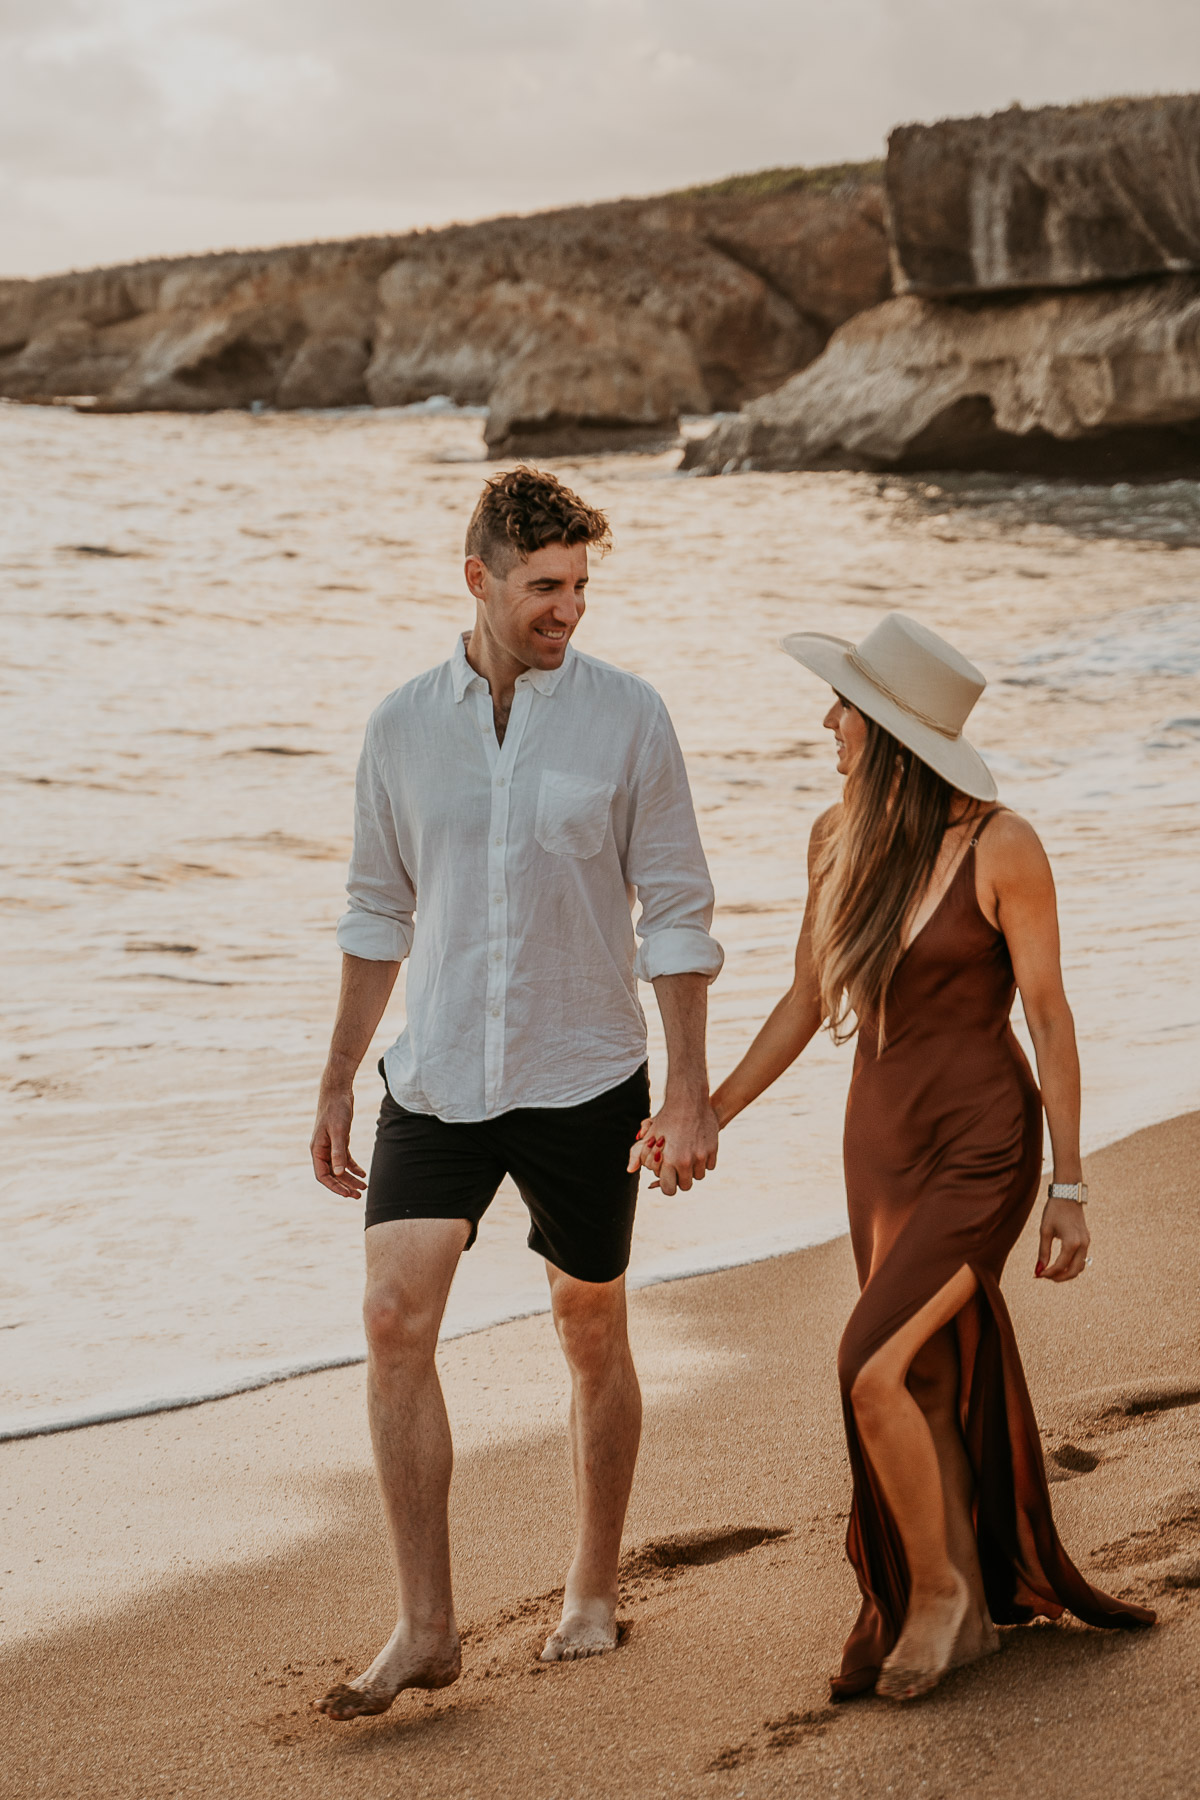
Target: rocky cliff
1092 383
1064 196
585 328
1067 346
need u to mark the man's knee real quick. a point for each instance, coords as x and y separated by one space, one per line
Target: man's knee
590 1320
398 1327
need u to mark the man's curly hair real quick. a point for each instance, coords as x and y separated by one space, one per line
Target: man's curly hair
523 510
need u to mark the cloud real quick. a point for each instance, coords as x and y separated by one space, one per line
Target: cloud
143 126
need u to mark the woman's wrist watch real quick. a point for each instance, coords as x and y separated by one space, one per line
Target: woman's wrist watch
1068 1190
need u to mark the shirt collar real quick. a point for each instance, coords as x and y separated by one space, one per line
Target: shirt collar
464 677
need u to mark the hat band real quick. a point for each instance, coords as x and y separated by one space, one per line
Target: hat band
864 668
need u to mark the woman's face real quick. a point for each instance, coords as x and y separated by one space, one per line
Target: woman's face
849 730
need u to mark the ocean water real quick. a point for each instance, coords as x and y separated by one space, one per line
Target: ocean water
199 613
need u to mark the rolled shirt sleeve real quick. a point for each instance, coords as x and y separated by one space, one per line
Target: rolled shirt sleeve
665 863
378 926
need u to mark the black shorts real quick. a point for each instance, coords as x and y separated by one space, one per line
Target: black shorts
568 1163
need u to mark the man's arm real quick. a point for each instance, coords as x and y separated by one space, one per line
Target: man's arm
685 1122
665 863
366 990
375 935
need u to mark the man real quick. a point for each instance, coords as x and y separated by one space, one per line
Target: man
509 804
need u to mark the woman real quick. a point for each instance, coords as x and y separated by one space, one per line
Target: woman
928 907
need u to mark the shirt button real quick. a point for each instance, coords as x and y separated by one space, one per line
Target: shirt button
497 899
497 955
500 782
499 840
495 1012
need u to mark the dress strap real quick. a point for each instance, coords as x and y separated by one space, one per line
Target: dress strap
984 823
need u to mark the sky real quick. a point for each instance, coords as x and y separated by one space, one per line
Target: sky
132 128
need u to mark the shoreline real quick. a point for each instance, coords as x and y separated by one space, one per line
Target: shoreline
658 1275
680 1267
204 1256
182 1585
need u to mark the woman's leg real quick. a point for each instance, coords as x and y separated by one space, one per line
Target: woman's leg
901 1449
934 1383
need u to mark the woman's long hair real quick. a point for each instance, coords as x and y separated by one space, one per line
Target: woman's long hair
874 865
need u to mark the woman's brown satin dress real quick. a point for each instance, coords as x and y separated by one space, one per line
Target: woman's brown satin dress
943 1152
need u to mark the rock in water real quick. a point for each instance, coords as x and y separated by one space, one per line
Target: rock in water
1094 382
624 390
1060 197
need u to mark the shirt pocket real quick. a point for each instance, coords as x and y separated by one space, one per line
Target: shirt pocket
572 814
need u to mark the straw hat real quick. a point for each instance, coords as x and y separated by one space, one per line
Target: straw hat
914 684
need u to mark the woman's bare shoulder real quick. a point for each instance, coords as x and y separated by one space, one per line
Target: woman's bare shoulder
1011 849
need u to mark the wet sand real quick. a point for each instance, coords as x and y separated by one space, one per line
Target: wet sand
183 1585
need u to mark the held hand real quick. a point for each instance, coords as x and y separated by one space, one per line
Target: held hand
1064 1220
333 1165
679 1144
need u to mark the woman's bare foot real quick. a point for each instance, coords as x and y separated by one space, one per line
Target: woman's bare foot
587 1628
406 1661
927 1644
977 1638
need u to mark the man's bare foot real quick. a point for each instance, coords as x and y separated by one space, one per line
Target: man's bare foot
927 1644
587 1628
405 1661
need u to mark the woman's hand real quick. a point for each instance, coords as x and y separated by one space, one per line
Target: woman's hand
1064 1220
647 1151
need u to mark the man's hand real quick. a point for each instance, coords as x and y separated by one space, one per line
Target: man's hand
333 1165
679 1144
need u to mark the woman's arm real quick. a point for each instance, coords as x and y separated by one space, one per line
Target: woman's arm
794 1022
1017 870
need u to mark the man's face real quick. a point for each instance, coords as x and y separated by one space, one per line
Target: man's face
532 609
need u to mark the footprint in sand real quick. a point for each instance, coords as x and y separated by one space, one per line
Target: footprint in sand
1177 1531
1067 1460
774 1736
510 1642
1102 1412
1117 1408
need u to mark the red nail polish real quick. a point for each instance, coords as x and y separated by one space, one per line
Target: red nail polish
1041 1269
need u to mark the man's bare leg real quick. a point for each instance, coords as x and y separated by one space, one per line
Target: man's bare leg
604 1430
410 1265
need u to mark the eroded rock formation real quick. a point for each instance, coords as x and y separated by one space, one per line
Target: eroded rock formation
1059 197
1065 345
581 329
1100 381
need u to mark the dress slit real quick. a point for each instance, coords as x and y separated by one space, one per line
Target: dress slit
944 1148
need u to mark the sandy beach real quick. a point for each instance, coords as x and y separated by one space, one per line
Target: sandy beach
180 1587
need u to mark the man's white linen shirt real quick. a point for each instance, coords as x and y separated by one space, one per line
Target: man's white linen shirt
506 874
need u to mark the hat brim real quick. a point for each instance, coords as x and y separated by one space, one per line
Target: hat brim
953 759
